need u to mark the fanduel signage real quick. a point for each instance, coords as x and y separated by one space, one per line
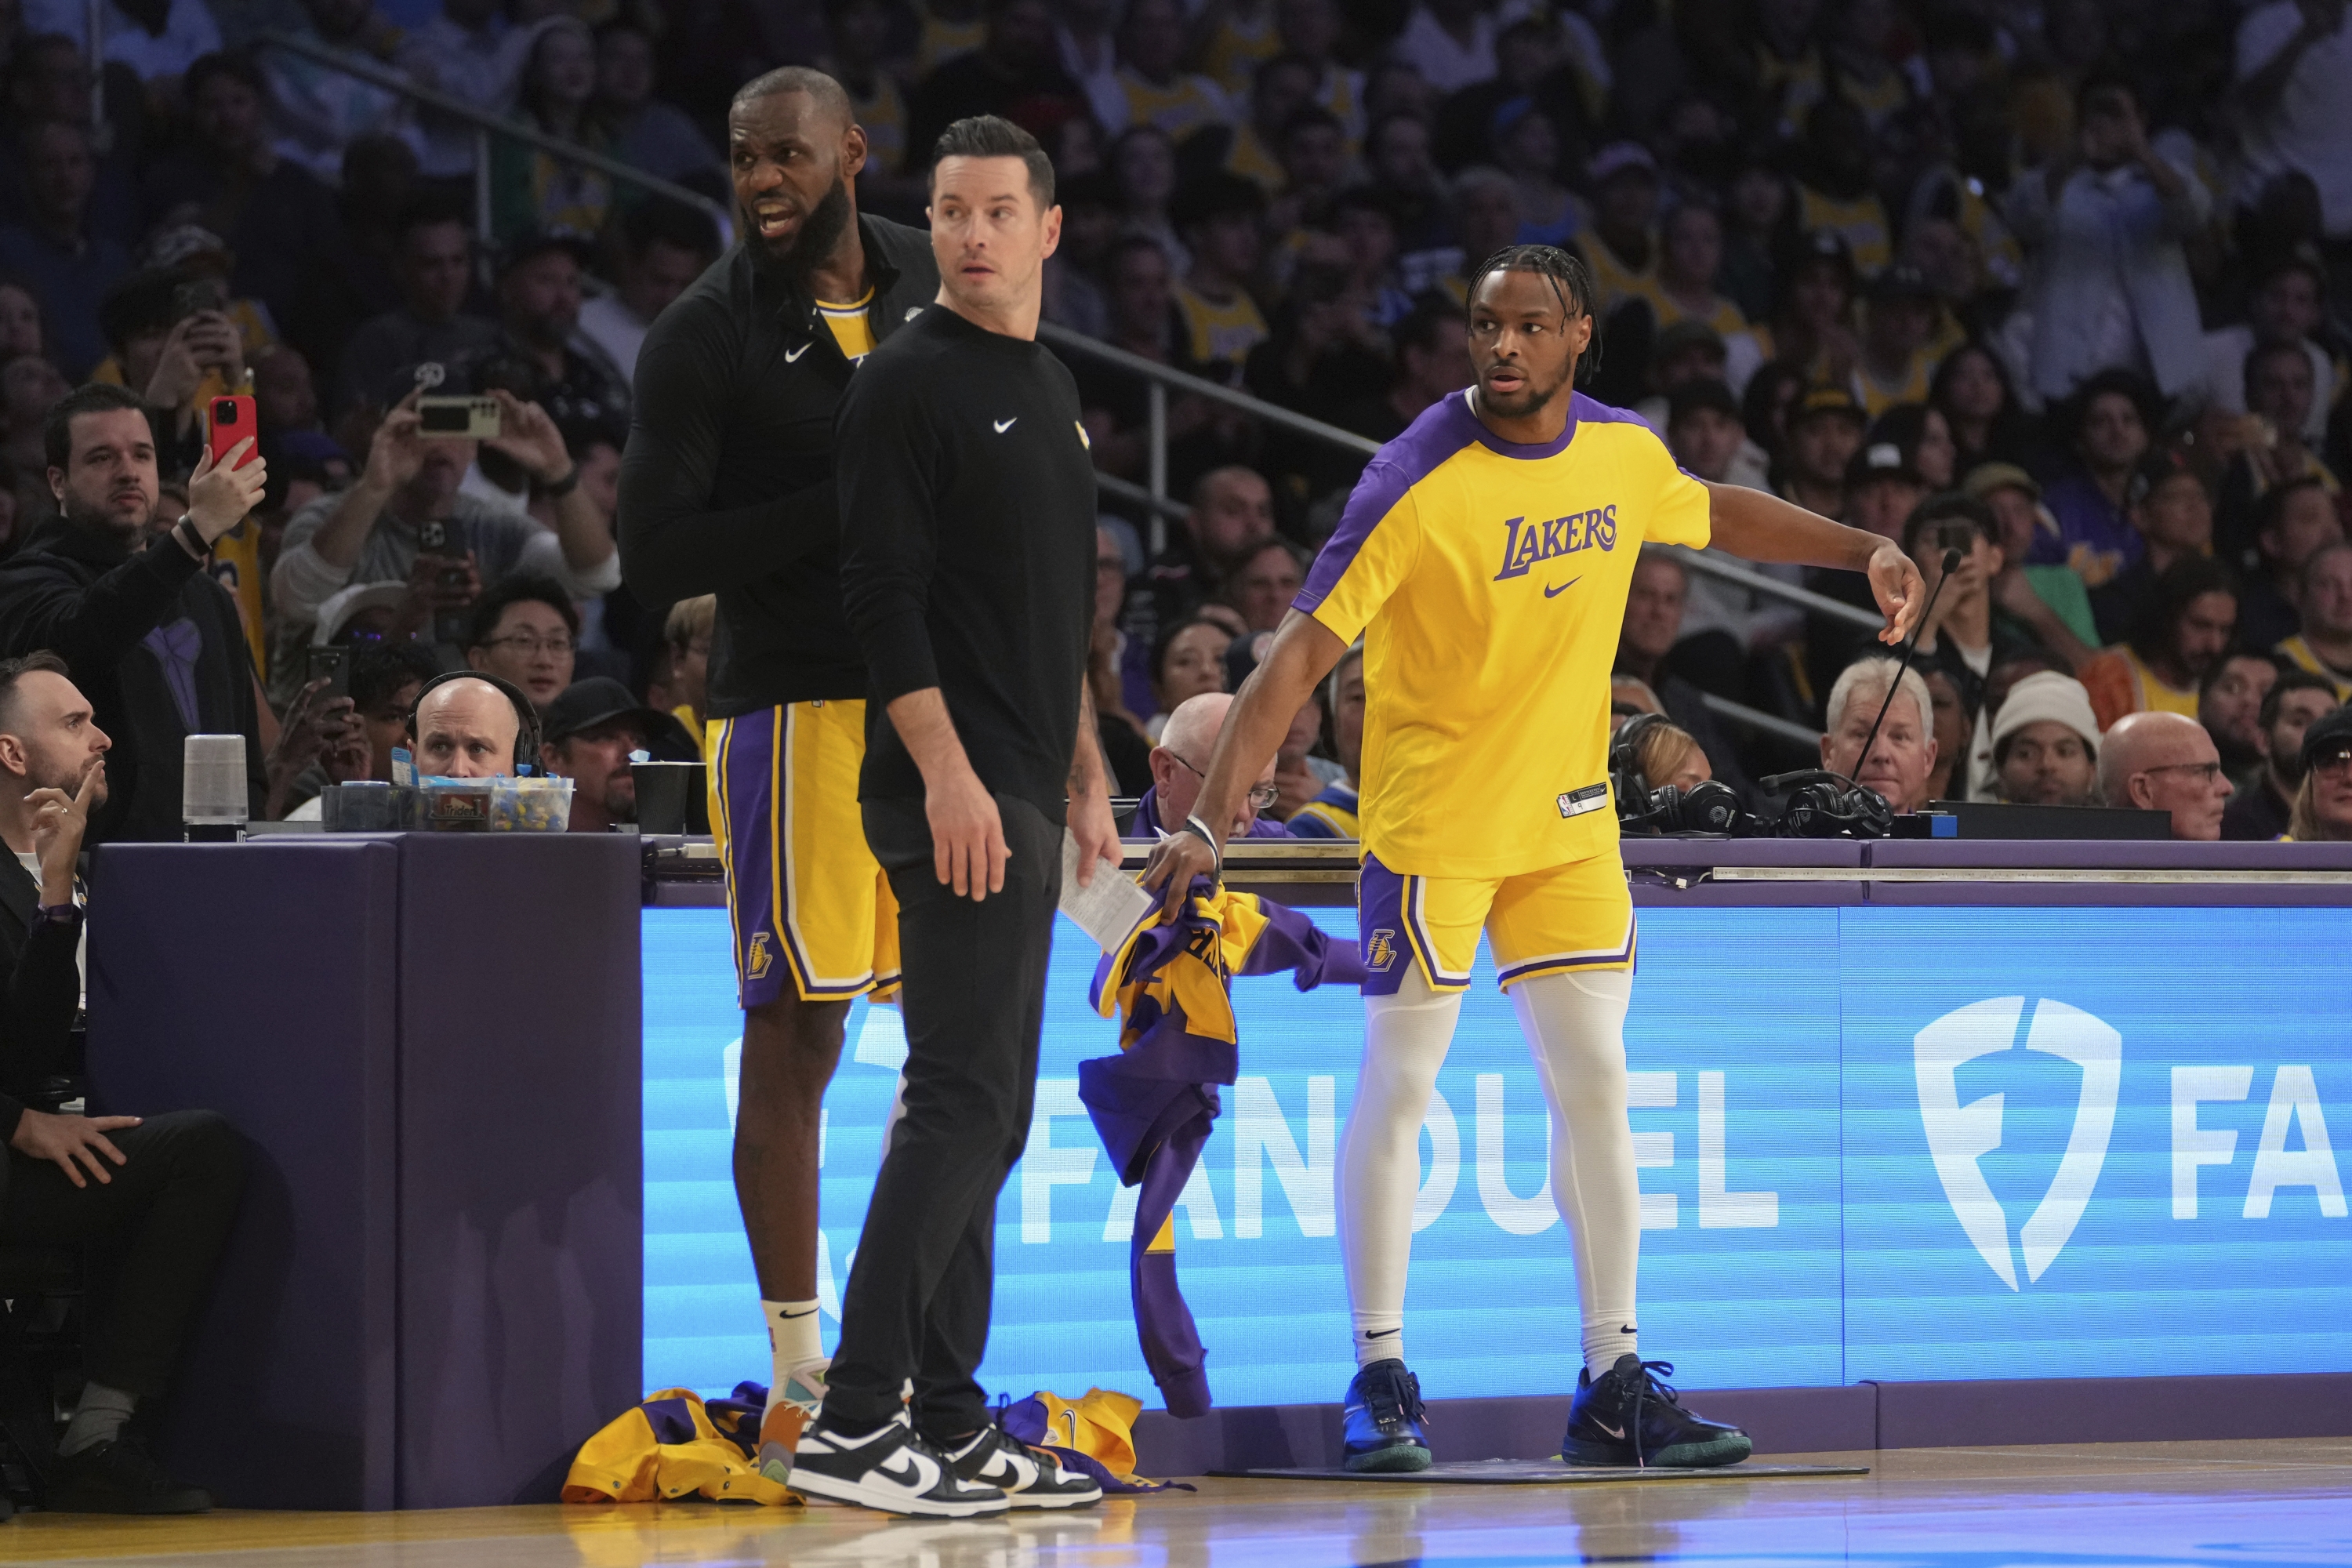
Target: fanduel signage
1873 1143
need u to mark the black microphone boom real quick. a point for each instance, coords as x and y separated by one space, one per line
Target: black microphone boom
1949 564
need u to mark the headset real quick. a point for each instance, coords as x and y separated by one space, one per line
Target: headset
1708 806
526 751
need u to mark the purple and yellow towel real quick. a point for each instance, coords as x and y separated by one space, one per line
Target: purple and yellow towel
1153 1103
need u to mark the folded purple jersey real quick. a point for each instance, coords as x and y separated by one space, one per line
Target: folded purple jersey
1153 1103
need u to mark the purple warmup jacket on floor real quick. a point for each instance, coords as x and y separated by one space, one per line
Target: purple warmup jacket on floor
1153 1103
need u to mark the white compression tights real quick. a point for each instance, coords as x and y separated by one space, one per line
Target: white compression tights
1574 1025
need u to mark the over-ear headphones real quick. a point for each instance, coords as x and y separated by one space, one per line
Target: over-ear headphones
1708 807
526 751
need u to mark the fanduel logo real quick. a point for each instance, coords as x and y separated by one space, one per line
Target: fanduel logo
1528 542
1959 1135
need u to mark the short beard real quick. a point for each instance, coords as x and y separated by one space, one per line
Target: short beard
1529 401
820 232
102 521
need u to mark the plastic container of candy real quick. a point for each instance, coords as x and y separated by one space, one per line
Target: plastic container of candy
530 804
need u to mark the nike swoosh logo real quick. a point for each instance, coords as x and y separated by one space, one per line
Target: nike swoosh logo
1611 1430
791 354
788 1317
1564 587
1005 425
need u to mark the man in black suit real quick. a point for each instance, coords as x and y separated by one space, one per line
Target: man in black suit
149 1201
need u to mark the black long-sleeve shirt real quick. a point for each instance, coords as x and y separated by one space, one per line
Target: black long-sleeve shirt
727 484
80 592
968 525
40 992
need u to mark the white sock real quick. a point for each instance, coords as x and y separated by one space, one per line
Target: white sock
1575 1024
1405 1037
793 1344
98 1418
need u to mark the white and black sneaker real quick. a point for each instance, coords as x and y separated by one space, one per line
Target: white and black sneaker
890 1467
1029 1478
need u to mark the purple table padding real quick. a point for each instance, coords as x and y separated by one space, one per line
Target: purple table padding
259 981
435 1291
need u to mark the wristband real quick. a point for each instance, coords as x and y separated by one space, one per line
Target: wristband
1200 830
67 913
184 531
563 486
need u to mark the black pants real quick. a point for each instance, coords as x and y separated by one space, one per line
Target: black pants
152 1236
973 1000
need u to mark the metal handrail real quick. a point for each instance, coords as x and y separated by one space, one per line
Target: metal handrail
1272 414
1819 603
1762 723
482 119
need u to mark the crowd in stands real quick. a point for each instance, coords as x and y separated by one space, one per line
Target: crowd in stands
2062 286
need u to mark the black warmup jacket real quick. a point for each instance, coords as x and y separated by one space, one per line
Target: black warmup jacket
726 486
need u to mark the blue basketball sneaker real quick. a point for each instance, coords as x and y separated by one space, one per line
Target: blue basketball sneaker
1626 1417
1383 1416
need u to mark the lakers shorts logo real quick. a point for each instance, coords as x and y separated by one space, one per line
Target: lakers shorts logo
1381 951
757 958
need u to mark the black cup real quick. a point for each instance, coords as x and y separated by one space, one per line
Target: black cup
671 797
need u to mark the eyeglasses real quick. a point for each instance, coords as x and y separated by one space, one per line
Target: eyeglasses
2333 763
526 644
1263 798
2206 772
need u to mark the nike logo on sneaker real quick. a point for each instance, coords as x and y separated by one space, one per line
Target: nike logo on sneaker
1564 587
791 354
1611 1430
1005 425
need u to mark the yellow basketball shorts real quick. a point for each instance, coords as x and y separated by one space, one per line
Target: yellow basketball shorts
1577 916
804 897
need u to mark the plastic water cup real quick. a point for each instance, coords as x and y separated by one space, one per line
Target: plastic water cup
212 781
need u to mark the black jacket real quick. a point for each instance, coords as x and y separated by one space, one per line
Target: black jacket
727 485
82 593
42 993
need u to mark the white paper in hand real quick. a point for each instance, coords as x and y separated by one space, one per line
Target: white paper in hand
1110 911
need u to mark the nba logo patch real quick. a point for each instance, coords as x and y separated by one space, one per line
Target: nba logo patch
757 959
1381 951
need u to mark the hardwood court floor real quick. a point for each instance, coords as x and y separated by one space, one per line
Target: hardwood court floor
2243 1505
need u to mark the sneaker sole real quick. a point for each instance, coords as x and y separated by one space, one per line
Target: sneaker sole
1727 1451
1048 1499
836 1491
1401 1457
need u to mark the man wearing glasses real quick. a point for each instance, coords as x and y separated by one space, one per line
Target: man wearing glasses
525 633
2165 762
1176 772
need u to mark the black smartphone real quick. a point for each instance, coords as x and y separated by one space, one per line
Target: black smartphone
195 298
1955 535
331 664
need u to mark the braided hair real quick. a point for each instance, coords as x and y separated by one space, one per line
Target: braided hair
1570 281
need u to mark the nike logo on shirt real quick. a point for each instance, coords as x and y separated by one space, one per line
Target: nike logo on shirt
791 354
1564 587
1005 425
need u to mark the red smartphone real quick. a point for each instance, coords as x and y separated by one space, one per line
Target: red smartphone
230 420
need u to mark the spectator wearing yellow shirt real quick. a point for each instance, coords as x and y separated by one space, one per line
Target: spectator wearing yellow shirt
1690 255
2188 627
1219 216
1155 91
1282 86
1310 29
860 33
1233 39
1898 325
1812 315
2324 647
1861 71
947 28
1788 71
1833 184
1622 249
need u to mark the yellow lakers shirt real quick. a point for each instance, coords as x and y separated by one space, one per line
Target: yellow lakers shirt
850 327
1489 580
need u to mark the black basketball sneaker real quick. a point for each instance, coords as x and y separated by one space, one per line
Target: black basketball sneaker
1383 1419
1627 1417
891 1469
1029 1478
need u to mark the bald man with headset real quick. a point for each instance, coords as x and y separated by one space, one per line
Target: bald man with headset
469 725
